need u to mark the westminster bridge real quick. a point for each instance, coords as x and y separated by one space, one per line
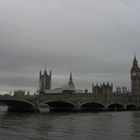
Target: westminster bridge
71 102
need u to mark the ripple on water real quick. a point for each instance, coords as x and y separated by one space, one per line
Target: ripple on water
70 126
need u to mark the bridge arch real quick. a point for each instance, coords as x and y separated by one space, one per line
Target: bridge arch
131 107
18 105
92 106
138 107
60 105
115 107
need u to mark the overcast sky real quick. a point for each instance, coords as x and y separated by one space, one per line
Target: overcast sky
95 39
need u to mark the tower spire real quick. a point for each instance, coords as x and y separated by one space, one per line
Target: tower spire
70 83
45 70
135 64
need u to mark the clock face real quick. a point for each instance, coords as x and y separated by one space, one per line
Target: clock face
134 74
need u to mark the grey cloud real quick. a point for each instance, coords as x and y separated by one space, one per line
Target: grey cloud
96 40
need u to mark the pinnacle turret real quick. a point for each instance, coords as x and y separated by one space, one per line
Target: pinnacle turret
40 74
50 72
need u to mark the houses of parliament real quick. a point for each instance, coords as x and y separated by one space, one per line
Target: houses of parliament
104 88
101 97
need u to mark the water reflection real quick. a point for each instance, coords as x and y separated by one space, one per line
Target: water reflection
135 125
70 126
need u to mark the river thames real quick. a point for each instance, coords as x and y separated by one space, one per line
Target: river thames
70 125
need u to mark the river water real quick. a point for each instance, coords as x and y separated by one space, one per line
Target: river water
70 125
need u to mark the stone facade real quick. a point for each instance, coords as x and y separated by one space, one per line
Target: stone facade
103 91
135 78
45 80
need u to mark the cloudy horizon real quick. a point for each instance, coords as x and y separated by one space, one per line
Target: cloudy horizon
95 39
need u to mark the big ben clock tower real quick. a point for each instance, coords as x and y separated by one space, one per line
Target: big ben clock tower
135 78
